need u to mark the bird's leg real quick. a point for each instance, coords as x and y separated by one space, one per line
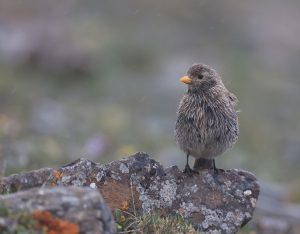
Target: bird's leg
187 161
187 168
216 170
214 165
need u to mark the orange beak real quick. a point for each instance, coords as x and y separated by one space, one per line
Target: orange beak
186 80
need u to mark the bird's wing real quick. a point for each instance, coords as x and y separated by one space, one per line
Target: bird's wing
232 98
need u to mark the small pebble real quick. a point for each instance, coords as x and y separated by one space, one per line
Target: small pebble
93 185
247 192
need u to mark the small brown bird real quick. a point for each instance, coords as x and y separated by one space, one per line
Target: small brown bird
207 122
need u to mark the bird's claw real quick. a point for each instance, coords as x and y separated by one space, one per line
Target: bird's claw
190 172
217 171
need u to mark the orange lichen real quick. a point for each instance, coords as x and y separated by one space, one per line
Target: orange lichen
124 205
55 225
57 175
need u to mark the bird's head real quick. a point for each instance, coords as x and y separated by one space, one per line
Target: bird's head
200 78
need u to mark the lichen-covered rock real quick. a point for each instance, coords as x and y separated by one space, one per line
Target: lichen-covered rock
214 203
80 209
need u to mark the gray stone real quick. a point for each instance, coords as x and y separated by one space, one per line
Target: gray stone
214 203
82 206
273 225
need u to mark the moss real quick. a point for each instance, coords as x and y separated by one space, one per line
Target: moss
38 222
3 210
3 190
151 223
25 224
6 188
247 230
13 189
165 225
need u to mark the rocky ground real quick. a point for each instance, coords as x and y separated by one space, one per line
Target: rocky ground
136 185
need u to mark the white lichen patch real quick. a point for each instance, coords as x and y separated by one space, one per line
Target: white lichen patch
227 221
115 175
209 179
101 173
239 193
66 179
227 183
168 193
224 226
247 192
187 194
24 180
188 208
233 218
41 192
165 195
93 185
153 187
229 216
149 204
194 188
134 179
215 232
253 201
247 215
88 164
124 169
239 217
79 180
212 218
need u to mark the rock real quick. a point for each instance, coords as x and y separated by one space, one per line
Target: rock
272 225
274 212
274 202
81 208
214 203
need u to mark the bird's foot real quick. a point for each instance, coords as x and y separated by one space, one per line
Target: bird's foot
190 172
219 170
216 171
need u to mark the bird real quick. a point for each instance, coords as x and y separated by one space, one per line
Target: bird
207 121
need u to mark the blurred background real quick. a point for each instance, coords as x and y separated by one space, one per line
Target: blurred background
99 79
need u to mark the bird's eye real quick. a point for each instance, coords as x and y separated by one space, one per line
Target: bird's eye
200 76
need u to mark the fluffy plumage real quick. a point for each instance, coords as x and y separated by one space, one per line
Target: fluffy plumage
207 122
